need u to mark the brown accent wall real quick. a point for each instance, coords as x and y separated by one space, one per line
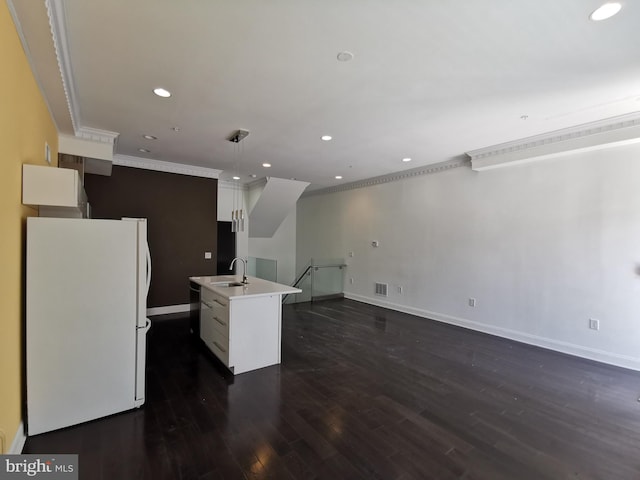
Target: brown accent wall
182 215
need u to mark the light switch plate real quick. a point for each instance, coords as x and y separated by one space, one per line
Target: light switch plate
207 255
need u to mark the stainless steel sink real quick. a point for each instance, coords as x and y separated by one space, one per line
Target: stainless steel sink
228 284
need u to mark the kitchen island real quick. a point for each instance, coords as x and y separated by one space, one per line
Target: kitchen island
242 323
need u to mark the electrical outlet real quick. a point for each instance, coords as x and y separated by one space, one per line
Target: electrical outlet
594 324
207 255
351 280
400 288
472 302
351 254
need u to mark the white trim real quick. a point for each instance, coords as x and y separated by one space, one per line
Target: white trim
185 307
98 135
84 147
162 166
18 441
260 182
223 184
392 177
611 132
57 23
623 361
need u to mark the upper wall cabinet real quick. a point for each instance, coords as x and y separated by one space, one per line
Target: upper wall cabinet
57 192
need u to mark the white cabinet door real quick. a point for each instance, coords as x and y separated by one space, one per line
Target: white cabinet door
57 191
254 335
244 333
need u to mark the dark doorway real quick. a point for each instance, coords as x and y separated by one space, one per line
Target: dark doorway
226 247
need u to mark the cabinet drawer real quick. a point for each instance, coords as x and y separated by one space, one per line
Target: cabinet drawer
220 347
207 330
215 314
212 322
212 309
220 321
213 298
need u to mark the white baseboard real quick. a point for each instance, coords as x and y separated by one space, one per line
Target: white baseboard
18 441
168 309
623 361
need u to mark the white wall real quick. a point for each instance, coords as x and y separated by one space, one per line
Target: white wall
543 247
281 247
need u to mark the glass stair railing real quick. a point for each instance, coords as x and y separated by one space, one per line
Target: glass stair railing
320 279
264 268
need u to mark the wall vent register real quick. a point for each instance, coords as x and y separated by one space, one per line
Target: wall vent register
382 289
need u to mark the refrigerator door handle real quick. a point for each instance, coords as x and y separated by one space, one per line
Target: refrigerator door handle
141 353
148 283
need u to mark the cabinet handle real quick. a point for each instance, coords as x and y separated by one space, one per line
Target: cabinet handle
206 304
219 321
220 303
219 346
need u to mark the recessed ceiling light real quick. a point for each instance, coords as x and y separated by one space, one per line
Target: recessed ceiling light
607 10
338 177
326 138
266 165
161 92
149 137
406 159
345 56
144 150
236 178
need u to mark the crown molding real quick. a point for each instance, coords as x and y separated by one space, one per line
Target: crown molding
57 24
162 166
607 133
394 177
260 182
224 185
98 135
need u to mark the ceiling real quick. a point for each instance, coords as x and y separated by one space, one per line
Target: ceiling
429 80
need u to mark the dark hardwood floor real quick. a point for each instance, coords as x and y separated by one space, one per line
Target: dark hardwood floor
366 393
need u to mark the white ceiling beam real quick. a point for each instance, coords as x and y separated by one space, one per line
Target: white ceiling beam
162 166
97 147
84 147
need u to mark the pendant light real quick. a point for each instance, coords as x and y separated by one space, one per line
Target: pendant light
237 211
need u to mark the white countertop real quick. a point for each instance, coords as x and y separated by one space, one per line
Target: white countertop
256 287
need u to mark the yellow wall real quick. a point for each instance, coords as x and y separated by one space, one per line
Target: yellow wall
25 125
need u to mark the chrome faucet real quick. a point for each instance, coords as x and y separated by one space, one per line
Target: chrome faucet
244 270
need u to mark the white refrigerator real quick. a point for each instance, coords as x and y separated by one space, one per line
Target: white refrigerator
87 283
